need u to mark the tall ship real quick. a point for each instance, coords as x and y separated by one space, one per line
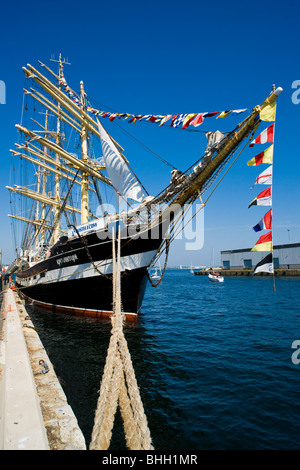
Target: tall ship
63 165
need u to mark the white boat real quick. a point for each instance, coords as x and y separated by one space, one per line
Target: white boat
155 276
157 273
216 277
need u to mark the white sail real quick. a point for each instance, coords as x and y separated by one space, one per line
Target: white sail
124 182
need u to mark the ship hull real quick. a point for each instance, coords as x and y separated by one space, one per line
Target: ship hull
90 297
77 276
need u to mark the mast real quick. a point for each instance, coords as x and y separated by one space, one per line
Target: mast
81 122
84 174
92 170
80 114
57 178
53 164
50 201
37 211
44 173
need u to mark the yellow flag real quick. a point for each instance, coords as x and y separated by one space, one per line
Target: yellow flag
268 113
223 114
268 246
264 157
264 243
187 120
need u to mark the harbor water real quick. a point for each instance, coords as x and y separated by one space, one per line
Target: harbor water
216 364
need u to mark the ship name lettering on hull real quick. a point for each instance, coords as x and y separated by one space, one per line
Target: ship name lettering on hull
67 259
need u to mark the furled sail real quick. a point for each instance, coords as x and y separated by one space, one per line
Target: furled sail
125 184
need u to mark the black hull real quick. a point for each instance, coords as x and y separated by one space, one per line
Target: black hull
78 275
91 293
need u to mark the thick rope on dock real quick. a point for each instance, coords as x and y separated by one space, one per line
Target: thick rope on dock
119 385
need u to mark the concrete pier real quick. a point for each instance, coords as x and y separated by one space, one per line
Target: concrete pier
34 412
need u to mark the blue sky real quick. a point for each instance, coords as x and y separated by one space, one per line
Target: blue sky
170 57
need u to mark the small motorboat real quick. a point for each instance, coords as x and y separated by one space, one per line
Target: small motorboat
215 277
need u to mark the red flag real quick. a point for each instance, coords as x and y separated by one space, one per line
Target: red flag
152 118
265 136
264 243
197 120
188 120
165 119
263 199
173 119
265 223
263 157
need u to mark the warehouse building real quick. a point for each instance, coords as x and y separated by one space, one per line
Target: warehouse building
284 257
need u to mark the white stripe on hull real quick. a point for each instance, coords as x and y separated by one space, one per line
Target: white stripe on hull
79 271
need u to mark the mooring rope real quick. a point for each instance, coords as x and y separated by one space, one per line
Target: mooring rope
119 385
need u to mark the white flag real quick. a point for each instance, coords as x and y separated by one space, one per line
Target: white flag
265 177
